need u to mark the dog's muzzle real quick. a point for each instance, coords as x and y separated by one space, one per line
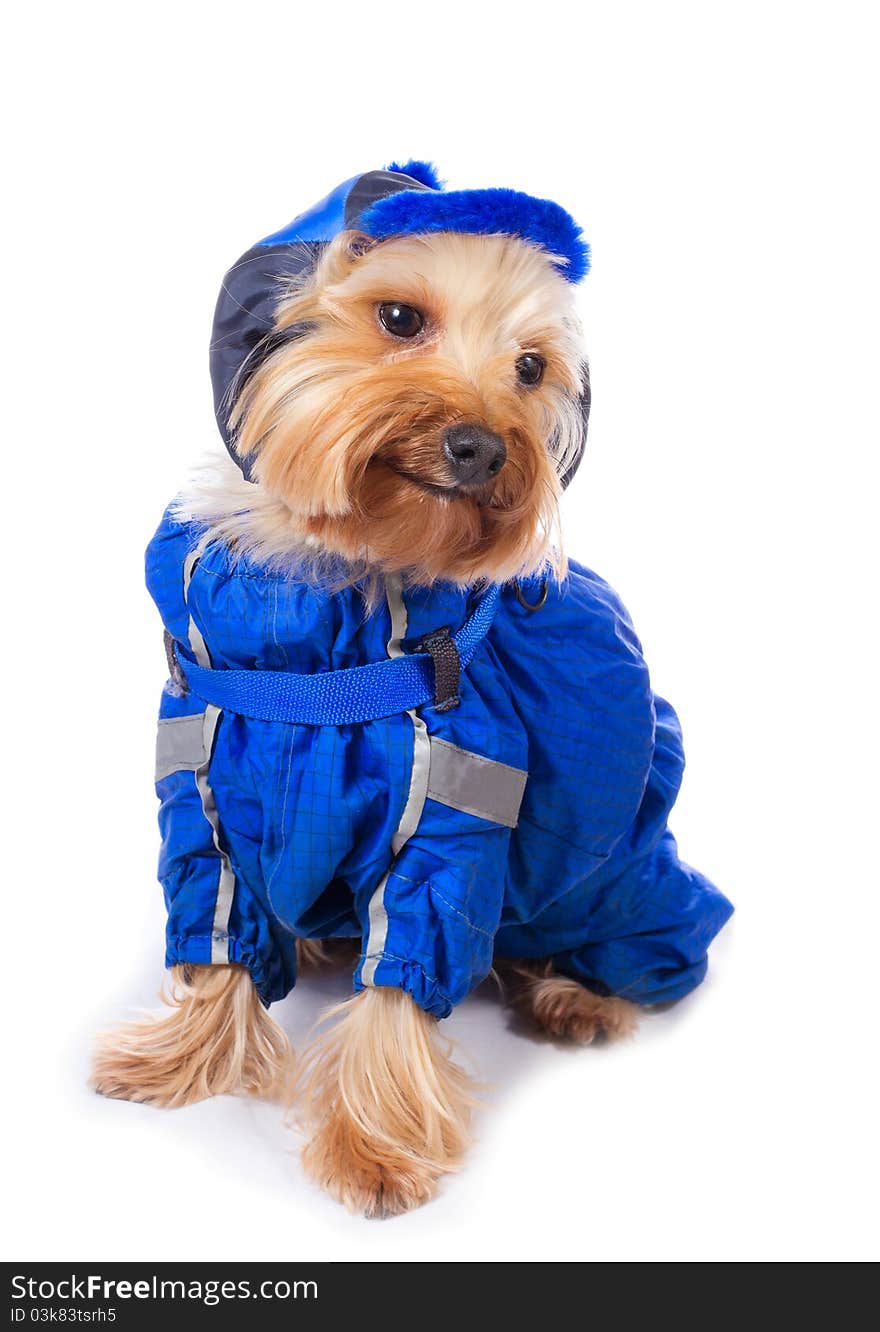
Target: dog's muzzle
475 455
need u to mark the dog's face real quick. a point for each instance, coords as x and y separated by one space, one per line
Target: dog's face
422 400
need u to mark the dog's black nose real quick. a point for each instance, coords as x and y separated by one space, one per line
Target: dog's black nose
475 454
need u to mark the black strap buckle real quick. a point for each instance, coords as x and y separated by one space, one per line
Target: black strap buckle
447 667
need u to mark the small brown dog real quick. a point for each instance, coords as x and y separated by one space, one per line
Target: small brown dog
405 425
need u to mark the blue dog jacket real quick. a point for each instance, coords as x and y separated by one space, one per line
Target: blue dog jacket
313 782
530 820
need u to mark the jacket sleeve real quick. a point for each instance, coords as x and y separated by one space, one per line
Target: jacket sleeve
211 917
429 928
192 866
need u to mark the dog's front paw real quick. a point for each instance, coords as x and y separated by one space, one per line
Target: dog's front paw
385 1106
368 1176
217 1038
138 1062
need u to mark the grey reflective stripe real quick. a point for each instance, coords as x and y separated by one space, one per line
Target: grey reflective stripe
474 784
180 745
209 719
377 927
226 881
374 944
197 643
418 784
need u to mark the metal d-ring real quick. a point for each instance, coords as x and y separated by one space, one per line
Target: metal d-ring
527 605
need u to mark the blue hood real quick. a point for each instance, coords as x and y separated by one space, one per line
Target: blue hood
404 200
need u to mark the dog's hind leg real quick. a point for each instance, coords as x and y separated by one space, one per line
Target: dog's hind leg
326 954
216 1038
563 1008
387 1109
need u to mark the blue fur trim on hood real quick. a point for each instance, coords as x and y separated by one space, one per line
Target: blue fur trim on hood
424 172
489 212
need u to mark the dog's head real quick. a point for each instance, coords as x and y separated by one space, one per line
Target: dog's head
419 402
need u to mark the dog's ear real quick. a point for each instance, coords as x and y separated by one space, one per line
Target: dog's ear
357 244
342 253
586 397
584 401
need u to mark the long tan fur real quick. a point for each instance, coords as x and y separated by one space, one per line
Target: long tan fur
216 1038
387 1109
561 1007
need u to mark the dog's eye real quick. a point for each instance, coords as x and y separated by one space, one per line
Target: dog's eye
402 321
530 369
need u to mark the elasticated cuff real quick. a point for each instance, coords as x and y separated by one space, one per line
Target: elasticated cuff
401 974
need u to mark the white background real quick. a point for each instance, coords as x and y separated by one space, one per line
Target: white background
722 159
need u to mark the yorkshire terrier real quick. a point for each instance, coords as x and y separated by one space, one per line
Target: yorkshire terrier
402 386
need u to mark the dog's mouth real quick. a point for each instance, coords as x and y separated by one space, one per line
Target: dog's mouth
452 490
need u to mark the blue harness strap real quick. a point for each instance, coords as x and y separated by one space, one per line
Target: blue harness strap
337 698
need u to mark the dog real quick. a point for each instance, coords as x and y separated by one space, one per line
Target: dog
401 733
